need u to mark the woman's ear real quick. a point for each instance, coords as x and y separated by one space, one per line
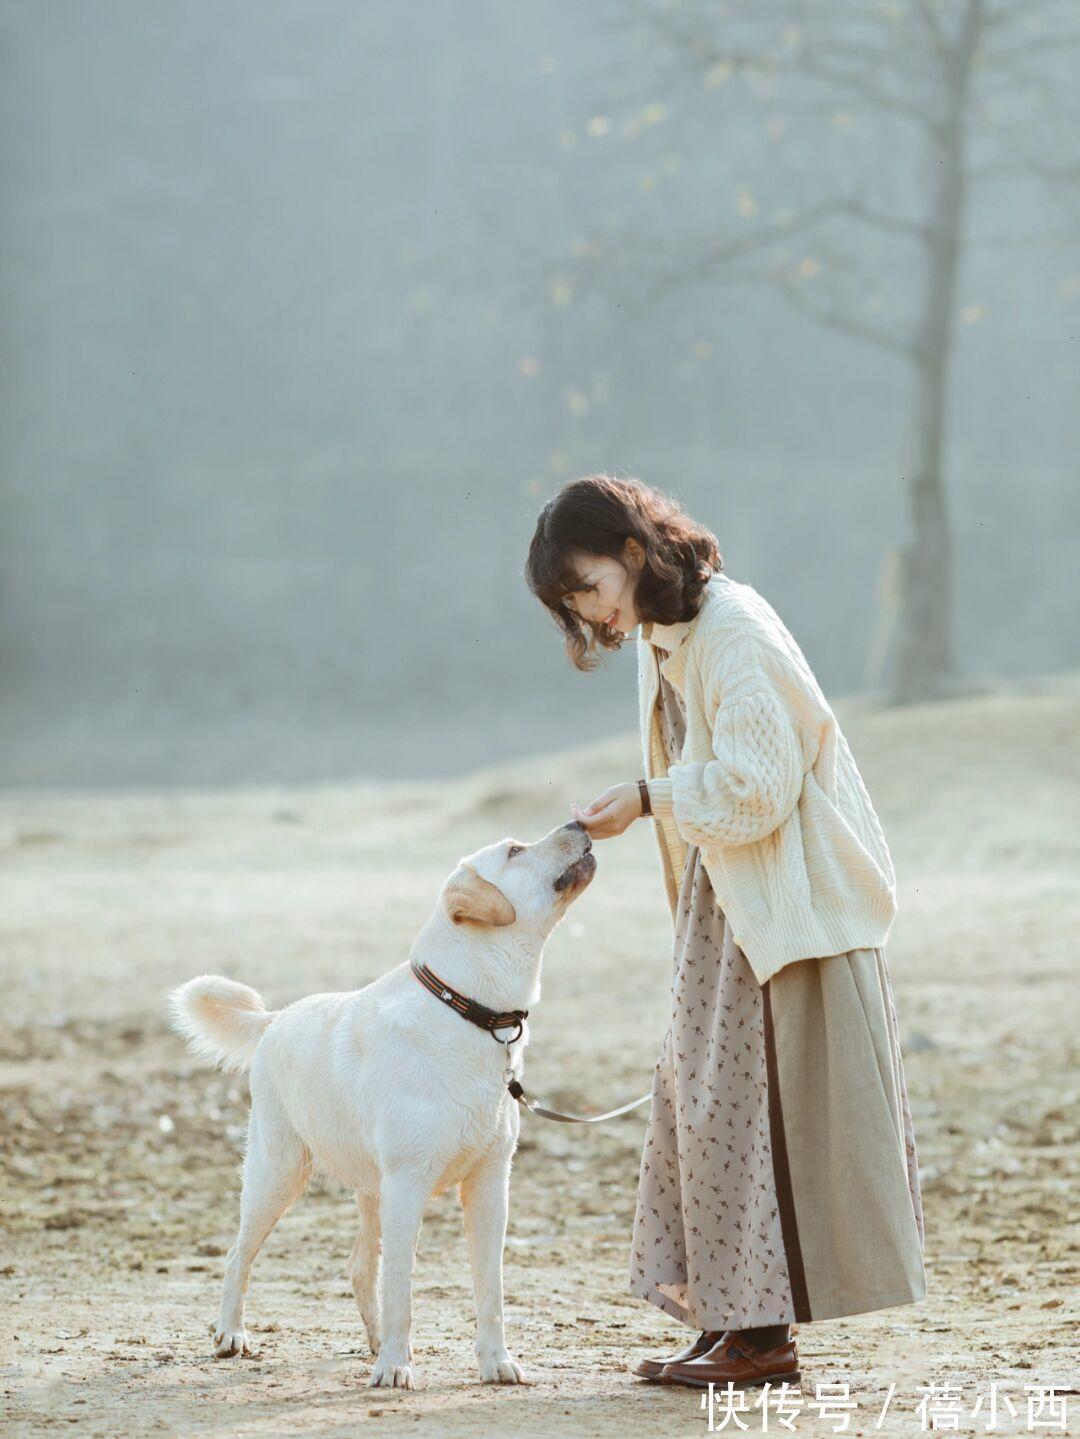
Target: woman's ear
634 553
468 897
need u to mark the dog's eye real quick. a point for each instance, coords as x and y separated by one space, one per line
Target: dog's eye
514 849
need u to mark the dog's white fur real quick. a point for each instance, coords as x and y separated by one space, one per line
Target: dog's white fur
390 1091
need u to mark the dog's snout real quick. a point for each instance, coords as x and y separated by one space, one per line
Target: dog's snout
575 824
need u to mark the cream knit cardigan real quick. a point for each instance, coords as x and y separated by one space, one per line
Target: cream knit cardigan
766 786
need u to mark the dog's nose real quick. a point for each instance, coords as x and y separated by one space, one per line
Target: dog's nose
576 824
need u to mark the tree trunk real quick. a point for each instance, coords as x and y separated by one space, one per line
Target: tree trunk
925 667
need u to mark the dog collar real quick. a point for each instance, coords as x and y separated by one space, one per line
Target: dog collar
471 1009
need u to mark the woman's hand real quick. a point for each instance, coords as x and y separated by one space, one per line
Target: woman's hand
611 812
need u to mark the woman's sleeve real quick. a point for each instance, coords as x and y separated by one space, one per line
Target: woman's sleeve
753 782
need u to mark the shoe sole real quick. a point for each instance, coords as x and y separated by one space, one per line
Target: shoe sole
795 1374
656 1377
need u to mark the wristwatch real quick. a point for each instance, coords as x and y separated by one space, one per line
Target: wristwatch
646 802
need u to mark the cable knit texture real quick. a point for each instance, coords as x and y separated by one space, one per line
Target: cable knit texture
766 786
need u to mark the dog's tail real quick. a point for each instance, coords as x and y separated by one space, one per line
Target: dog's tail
221 1020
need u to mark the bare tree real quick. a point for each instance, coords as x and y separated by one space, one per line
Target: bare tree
974 91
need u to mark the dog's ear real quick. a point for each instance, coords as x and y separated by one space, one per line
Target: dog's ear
469 897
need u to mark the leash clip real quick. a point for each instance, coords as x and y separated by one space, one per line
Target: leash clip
508 1068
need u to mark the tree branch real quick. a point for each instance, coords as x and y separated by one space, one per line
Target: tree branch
735 249
1008 72
732 250
835 319
883 99
697 45
891 224
995 170
877 55
1049 170
1009 14
1052 43
932 26
1046 240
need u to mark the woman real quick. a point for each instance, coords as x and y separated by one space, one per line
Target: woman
779 1180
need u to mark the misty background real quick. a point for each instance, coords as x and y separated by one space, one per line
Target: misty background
309 307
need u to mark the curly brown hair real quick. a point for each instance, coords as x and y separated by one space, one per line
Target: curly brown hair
596 516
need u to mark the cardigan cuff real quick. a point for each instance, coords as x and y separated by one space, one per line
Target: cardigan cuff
661 798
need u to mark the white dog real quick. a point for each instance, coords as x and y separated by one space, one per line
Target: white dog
393 1091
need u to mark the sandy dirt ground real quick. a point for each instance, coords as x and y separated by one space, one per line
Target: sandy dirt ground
120 1176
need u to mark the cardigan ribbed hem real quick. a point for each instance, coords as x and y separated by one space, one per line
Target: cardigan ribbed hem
660 797
864 921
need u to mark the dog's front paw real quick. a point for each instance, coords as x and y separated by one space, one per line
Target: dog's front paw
228 1342
392 1371
500 1367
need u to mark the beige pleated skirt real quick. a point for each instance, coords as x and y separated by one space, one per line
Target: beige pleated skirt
779 1178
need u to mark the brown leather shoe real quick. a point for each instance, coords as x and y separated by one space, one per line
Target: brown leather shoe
652 1368
735 1360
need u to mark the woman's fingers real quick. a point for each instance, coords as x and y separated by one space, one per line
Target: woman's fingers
590 809
599 823
610 813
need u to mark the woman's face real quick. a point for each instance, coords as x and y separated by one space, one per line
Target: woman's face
606 593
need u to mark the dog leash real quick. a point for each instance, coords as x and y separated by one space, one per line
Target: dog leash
492 1019
531 1105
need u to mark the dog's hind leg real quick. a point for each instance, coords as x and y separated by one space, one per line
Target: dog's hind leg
364 1266
402 1197
277 1168
485 1200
